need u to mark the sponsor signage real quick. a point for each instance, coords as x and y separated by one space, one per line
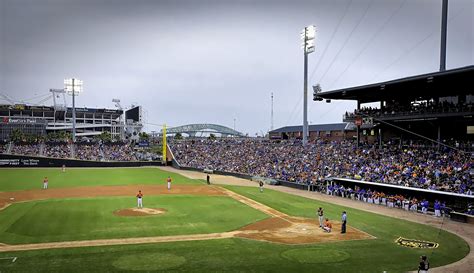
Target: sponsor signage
22 120
143 144
412 243
95 110
19 162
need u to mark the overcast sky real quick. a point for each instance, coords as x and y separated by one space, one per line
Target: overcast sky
213 61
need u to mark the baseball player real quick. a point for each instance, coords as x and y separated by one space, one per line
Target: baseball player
63 168
424 265
344 222
437 208
168 180
424 206
327 226
261 186
45 183
140 199
321 217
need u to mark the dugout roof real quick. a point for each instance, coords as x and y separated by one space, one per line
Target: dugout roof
459 81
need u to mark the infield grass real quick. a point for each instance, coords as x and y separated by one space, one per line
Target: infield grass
93 218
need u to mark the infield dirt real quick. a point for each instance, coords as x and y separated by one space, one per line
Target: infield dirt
139 212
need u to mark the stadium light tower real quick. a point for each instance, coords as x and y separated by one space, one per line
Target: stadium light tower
73 87
308 35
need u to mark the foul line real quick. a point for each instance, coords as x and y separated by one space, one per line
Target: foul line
9 258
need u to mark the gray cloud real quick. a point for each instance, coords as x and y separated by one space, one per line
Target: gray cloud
213 61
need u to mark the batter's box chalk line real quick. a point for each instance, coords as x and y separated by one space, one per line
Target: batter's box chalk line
13 259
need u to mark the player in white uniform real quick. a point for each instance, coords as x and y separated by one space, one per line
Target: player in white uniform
321 217
140 199
45 183
168 180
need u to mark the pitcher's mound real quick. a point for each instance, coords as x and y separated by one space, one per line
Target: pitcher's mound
139 212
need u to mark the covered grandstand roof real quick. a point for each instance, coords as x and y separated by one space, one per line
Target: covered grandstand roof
313 128
457 81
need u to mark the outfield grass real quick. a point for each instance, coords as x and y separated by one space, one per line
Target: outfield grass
93 218
27 179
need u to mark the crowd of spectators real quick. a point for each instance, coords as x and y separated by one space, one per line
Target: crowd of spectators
88 151
3 148
57 150
94 151
26 149
424 107
118 152
412 166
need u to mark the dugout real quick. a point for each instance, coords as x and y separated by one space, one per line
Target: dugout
456 201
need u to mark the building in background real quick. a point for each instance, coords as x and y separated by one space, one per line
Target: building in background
90 122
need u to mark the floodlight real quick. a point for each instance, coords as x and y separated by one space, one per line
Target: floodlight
310 32
73 87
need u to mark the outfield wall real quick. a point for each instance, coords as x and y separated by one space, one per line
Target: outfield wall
22 161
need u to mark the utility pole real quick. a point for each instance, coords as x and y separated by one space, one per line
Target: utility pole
271 125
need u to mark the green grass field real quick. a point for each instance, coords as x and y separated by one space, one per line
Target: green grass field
27 179
91 218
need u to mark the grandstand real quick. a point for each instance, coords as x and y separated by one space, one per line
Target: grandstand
418 142
437 106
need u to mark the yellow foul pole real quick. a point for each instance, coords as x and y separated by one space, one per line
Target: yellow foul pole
164 144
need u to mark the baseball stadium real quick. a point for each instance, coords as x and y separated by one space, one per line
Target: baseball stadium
159 182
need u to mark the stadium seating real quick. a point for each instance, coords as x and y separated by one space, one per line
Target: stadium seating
418 166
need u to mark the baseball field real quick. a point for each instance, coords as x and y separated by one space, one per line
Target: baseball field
87 221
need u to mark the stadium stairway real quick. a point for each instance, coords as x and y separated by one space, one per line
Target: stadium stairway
41 149
72 150
9 148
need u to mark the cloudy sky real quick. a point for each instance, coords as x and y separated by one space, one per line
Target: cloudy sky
215 61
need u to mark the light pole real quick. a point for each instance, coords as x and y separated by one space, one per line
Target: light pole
307 35
73 87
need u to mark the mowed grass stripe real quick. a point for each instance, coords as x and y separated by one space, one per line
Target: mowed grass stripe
93 218
226 255
26 179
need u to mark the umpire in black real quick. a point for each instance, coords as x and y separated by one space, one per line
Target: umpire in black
344 221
